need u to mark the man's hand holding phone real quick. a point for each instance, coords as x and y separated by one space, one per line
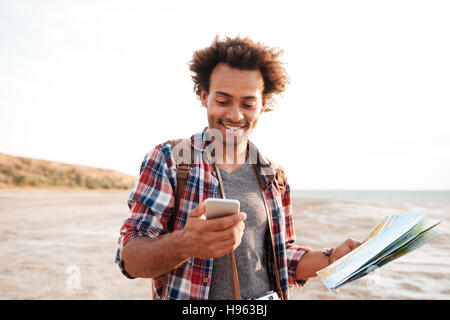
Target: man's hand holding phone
217 233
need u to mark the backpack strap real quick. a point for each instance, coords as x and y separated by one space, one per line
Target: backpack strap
182 170
279 175
280 179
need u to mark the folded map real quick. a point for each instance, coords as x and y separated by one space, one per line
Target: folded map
392 238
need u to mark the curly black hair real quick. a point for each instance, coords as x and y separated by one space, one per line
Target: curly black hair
241 54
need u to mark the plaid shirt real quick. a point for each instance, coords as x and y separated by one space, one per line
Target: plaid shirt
151 204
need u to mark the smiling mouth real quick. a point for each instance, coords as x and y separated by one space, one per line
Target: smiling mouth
235 128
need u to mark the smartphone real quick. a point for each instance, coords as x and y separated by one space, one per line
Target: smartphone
216 207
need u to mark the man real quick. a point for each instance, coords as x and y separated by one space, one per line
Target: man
235 80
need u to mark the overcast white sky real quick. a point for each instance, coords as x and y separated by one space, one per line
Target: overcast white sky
100 83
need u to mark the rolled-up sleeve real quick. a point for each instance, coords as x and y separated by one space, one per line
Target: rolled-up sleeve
150 202
294 252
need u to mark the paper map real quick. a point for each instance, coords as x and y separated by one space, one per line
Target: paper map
392 238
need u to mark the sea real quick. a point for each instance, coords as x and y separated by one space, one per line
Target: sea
378 196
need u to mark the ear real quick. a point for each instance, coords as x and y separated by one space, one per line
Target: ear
204 98
263 105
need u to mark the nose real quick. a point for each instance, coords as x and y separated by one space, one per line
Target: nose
235 113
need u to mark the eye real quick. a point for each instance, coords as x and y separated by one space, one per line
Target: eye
221 102
248 106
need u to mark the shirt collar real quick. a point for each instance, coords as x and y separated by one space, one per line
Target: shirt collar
267 168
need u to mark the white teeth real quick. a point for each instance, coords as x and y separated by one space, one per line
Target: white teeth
233 128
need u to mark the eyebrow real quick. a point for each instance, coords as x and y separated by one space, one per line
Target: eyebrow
230 96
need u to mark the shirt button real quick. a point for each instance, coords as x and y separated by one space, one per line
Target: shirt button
205 280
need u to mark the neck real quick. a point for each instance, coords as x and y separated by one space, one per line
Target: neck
236 154
233 157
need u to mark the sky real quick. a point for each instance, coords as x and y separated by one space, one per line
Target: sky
100 83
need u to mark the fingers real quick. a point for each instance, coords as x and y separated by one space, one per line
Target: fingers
227 222
217 224
218 247
233 233
199 211
352 244
215 237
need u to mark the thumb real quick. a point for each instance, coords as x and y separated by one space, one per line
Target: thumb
199 211
352 244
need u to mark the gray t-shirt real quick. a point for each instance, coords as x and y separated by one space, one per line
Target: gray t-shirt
242 185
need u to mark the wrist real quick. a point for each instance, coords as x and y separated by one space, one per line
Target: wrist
333 257
328 252
183 244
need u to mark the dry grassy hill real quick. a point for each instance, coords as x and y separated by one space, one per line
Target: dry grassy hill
17 172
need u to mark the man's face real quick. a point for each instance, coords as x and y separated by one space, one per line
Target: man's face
234 102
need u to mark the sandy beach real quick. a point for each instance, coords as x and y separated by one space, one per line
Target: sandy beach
62 244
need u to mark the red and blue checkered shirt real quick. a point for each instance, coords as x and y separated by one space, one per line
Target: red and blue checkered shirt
151 205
